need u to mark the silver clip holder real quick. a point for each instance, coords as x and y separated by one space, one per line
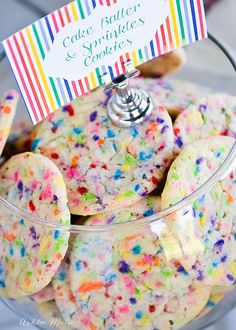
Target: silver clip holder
128 106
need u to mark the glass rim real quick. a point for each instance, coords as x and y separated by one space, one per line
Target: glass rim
223 170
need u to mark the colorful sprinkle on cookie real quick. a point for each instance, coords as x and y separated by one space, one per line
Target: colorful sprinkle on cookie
213 115
31 253
105 167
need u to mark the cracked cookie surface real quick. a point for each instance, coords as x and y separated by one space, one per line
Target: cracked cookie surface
105 167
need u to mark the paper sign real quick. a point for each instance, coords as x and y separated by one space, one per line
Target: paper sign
64 54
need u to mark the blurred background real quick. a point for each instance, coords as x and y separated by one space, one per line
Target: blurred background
16 14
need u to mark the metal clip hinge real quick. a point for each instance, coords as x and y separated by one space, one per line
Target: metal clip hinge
128 106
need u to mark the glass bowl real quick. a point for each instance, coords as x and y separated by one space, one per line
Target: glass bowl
132 289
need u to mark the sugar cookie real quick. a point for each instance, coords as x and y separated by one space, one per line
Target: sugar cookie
217 295
45 295
105 167
174 94
30 254
128 279
213 115
211 216
52 316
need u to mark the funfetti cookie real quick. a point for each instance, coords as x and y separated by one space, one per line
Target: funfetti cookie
174 94
64 298
95 285
194 166
8 106
30 253
211 217
87 310
105 167
52 317
123 279
213 115
217 295
181 311
23 132
44 295
164 64
141 209
96 306
93 310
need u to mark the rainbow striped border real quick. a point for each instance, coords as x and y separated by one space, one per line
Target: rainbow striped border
27 49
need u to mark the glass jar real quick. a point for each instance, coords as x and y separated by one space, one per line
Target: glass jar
205 63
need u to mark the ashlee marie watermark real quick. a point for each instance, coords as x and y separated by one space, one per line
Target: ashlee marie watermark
53 322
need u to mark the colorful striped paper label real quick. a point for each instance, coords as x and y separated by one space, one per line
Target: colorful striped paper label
65 54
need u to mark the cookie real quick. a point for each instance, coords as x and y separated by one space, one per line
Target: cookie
64 298
209 220
63 294
143 208
8 106
217 295
213 115
182 310
193 167
175 95
105 167
95 285
122 278
45 295
52 316
166 295
88 313
164 64
30 253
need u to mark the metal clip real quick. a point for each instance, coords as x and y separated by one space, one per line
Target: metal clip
128 106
